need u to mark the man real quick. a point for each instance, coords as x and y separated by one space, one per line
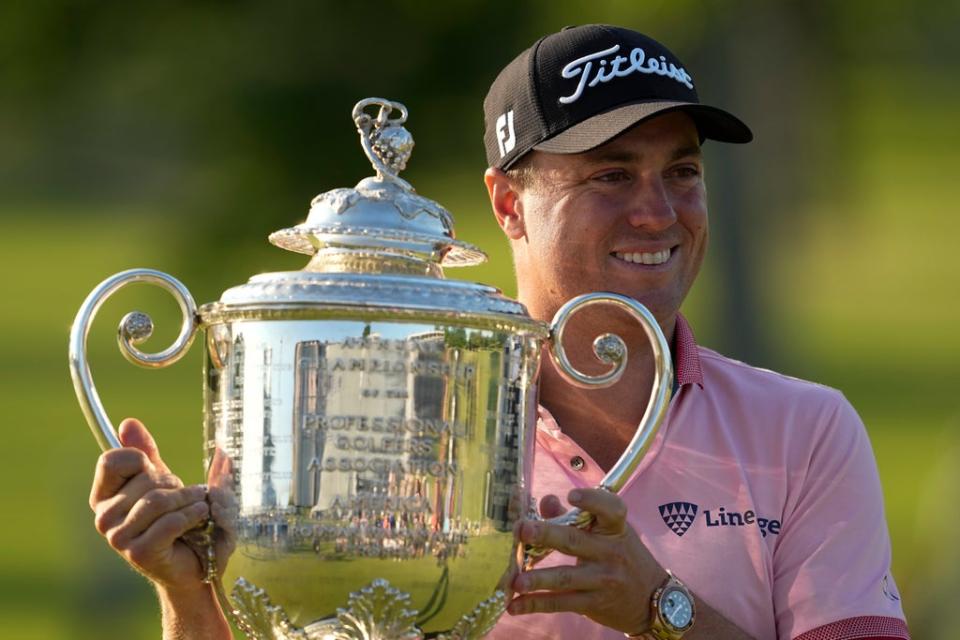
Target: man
757 511
760 492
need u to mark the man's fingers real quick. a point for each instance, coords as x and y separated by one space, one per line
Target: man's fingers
166 529
134 434
561 578
607 507
151 508
155 546
563 538
111 512
114 469
220 472
224 517
577 602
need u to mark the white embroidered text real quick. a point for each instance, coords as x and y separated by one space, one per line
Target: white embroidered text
607 70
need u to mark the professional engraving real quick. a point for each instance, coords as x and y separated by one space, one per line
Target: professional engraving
396 427
316 420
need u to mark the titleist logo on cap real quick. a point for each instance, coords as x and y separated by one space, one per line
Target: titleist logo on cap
607 70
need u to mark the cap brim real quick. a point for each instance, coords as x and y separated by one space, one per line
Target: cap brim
712 123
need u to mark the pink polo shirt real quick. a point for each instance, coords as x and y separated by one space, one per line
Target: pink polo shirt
760 492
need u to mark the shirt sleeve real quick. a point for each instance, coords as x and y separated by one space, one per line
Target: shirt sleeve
831 566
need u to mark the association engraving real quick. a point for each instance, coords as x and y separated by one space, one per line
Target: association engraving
371 416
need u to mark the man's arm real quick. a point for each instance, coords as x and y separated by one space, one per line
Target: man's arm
192 613
614 578
831 568
142 510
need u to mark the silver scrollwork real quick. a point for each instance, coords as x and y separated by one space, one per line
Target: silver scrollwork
611 349
378 611
480 621
134 328
260 618
386 142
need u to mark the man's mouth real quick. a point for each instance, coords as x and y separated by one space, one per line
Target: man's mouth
643 257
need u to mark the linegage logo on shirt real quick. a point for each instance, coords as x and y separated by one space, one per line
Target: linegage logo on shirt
680 516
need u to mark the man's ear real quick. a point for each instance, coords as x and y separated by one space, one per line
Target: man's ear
505 201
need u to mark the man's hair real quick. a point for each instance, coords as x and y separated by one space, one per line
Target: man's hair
522 173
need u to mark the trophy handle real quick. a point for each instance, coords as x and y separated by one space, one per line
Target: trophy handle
134 329
611 349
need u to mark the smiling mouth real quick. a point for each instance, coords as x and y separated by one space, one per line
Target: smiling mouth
657 257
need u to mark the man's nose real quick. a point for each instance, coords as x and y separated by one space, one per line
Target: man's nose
650 207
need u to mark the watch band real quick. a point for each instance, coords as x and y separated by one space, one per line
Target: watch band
660 634
652 634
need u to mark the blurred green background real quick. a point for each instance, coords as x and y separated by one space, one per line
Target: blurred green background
178 135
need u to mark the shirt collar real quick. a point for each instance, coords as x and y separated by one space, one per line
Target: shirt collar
686 358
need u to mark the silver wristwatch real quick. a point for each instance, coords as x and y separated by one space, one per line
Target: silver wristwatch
672 610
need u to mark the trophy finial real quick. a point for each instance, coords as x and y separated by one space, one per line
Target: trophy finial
382 225
386 142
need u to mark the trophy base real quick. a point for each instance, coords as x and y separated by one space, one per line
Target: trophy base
375 612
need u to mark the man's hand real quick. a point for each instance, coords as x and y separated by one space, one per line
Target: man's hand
142 509
615 574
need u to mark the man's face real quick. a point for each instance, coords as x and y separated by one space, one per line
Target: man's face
628 217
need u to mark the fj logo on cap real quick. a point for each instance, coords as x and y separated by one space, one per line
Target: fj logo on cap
618 67
506 137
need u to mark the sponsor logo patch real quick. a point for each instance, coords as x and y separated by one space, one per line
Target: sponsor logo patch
724 518
678 516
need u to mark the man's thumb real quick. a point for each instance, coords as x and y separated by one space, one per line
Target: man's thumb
134 434
551 507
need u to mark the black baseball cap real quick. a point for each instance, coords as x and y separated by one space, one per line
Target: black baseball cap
577 89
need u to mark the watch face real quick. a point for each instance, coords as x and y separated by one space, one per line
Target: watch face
676 608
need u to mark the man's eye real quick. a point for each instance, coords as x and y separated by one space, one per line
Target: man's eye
686 171
611 176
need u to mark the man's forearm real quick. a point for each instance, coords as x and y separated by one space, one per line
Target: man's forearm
194 614
711 625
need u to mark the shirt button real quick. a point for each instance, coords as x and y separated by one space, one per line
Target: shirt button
577 463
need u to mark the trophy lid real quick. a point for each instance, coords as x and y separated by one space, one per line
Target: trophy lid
381 225
378 249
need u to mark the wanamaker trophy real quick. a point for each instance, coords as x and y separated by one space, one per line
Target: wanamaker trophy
368 424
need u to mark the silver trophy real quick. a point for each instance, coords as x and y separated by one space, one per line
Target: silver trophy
368 425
